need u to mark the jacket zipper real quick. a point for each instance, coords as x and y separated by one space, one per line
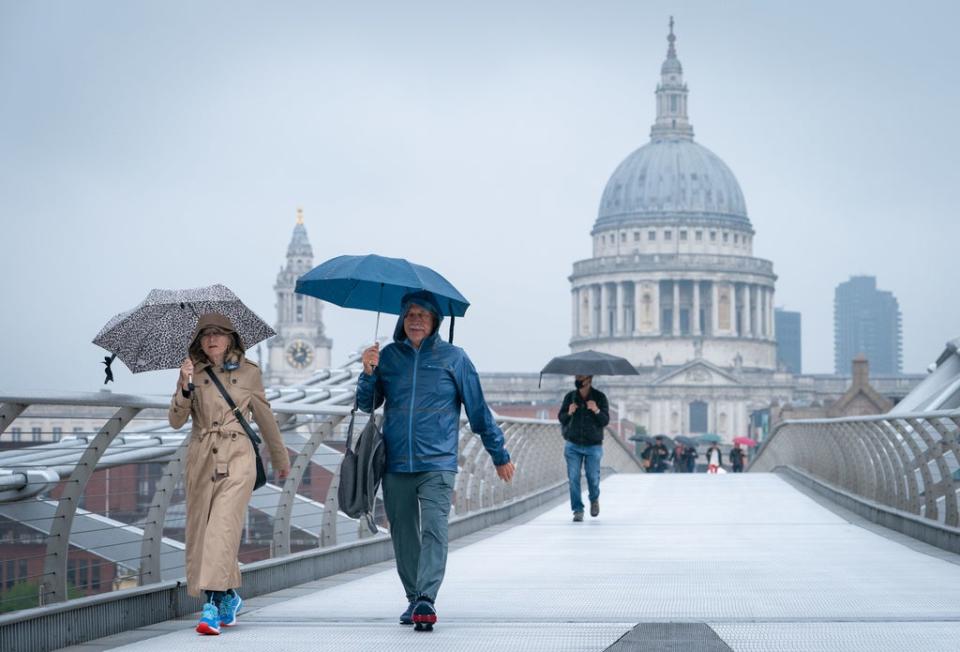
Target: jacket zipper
413 397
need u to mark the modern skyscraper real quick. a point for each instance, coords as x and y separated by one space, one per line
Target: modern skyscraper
789 346
866 320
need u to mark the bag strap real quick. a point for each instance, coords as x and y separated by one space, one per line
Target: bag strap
233 407
356 406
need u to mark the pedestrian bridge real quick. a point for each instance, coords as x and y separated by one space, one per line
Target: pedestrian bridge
674 562
842 536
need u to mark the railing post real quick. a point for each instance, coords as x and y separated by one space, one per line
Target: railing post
281 521
9 412
919 463
150 566
54 583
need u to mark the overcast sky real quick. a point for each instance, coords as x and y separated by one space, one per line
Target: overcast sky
169 144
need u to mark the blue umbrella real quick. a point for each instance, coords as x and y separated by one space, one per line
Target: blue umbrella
378 283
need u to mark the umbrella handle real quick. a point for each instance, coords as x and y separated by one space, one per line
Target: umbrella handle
190 383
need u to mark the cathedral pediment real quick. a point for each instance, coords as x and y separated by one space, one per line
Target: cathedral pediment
697 372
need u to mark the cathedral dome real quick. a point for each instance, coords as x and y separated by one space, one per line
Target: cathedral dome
668 179
672 177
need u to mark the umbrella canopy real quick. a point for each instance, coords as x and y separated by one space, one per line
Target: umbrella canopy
667 441
378 284
688 441
744 441
710 438
589 363
647 439
155 334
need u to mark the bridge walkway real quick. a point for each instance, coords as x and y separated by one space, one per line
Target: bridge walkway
674 562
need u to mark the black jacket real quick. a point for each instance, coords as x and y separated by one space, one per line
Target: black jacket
584 427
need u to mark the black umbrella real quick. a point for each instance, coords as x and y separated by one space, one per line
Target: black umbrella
156 334
647 439
666 441
589 363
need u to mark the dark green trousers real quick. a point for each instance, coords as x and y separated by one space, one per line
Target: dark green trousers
418 506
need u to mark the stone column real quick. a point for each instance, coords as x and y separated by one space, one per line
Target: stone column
695 325
773 318
745 311
575 313
621 309
766 312
637 296
591 326
714 308
676 308
604 310
755 310
655 301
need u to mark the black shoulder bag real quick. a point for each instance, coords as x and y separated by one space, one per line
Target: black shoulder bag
362 468
254 438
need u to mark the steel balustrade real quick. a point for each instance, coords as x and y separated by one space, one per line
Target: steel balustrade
908 462
136 432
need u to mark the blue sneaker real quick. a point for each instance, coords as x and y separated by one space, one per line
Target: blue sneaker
406 618
229 608
209 620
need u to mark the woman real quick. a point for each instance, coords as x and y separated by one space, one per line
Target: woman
221 467
714 458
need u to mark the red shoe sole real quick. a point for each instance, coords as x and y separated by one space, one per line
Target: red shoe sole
427 619
204 628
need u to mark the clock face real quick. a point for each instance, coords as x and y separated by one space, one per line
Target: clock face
299 354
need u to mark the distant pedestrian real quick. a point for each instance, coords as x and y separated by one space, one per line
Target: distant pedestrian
690 458
583 415
737 458
714 458
656 456
677 459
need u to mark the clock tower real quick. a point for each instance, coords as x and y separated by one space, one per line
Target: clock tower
300 347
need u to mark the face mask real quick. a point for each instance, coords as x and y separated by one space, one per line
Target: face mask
231 366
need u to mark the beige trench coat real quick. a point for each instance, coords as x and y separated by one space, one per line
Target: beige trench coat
220 470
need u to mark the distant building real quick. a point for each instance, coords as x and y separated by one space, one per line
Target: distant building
789 347
672 285
860 399
866 321
300 346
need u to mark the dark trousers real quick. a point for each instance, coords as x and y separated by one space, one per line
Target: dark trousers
418 506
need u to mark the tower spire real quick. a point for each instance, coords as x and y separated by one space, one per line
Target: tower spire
672 122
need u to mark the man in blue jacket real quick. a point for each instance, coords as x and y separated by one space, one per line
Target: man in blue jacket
424 381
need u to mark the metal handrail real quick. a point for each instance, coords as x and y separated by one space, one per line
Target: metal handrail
31 486
909 462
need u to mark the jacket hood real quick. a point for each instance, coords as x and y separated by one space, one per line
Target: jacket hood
425 300
222 322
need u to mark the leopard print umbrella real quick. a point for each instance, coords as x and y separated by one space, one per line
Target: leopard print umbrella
156 334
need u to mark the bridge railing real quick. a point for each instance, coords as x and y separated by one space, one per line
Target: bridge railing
105 510
908 462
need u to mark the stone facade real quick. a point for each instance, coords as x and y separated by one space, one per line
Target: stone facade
673 286
300 347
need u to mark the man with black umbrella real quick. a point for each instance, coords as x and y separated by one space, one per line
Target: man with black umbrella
584 414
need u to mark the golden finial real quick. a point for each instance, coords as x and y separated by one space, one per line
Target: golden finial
299 216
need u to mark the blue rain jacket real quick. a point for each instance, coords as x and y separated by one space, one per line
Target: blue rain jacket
424 390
